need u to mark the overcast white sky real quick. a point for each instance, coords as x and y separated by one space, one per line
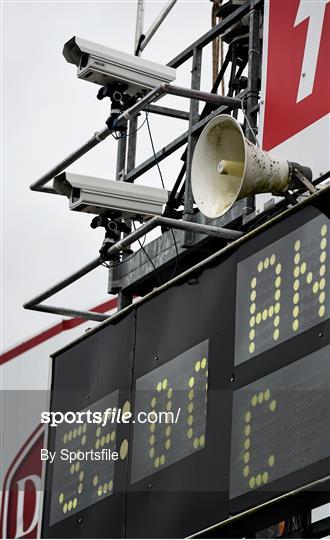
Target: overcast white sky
47 113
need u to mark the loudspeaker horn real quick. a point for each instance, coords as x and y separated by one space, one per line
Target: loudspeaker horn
227 167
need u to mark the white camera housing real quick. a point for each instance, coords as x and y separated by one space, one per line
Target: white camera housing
99 195
102 65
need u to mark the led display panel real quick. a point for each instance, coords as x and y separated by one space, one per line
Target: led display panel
238 351
178 387
278 423
84 482
282 290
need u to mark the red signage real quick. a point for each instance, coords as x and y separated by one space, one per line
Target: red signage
297 73
22 491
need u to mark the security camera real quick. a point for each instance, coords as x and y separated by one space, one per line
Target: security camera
101 196
102 65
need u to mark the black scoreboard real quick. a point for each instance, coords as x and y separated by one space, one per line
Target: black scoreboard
240 346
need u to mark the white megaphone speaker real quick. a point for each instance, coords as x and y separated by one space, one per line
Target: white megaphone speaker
227 167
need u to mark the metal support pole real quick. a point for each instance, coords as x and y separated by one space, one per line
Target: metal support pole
63 283
71 158
232 70
253 74
69 312
34 303
139 24
253 83
195 93
121 157
125 299
120 175
156 24
131 155
218 232
192 139
169 112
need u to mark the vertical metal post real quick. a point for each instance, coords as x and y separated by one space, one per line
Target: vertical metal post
192 139
253 84
139 24
125 299
114 273
253 74
232 70
121 156
134 122
131 154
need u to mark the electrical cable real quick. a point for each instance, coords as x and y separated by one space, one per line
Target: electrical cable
125 135
150 260
253 131
163 186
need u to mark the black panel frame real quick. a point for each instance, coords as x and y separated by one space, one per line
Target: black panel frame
189 490
279 356
193 493
98 366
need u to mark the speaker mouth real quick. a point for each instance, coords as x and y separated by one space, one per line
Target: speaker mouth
218 166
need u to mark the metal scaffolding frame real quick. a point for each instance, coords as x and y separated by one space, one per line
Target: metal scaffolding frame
195 227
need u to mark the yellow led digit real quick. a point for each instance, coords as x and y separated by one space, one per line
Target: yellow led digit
105 436
256 478
302 275
163 389
77 474
200 376
267 312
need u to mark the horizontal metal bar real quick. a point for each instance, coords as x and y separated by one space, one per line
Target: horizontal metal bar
171 89
63 283
201 96
226 234
213 33
207 533
167 111
68 312
173 145
71 158
35 302
156 24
